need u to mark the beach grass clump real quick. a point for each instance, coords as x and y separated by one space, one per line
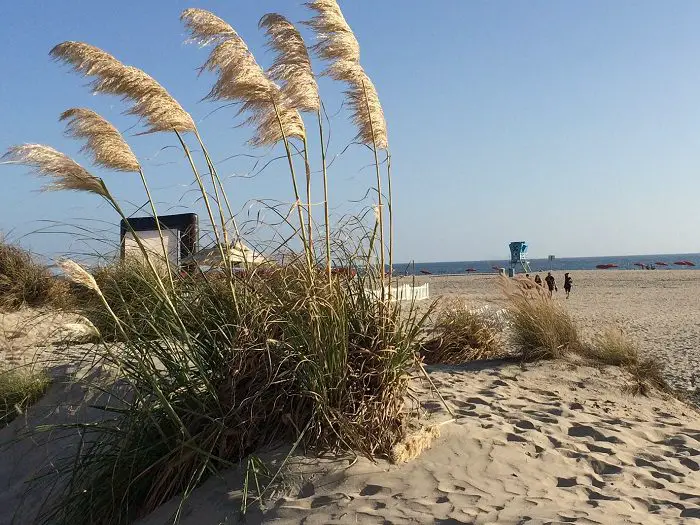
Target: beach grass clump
20 388
26 282
460 335
278 360
614 347
213 366
540 328
130 288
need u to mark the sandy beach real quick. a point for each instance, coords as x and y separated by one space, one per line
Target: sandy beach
548 442
658 308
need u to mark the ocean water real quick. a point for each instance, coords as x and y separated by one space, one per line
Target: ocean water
624 262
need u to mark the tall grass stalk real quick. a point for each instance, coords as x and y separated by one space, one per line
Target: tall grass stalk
380 204
151 202
309 218
390 205
326 204
224 258
297 202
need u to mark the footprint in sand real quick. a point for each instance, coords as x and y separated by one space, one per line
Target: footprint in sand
373 490
578 430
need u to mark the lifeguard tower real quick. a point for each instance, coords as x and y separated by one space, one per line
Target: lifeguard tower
518 256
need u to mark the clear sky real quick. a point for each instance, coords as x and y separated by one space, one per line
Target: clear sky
573 125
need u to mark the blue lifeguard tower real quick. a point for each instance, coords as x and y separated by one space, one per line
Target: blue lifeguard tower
518 256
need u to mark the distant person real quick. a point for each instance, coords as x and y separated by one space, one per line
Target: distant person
538 280
551 283
568 283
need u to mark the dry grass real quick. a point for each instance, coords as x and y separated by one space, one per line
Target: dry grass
19 389
241 79
149 99
460 335
66 174
540 328
25 282
614 347
292 65
104 143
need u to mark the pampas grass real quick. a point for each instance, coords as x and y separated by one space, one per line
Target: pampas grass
292 65
104 142
78 275
365 106
150 100
64 172
221 364
241 79
336 41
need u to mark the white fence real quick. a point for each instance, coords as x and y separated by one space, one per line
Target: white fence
404 292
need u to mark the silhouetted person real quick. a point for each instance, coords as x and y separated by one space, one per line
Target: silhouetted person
538 280
568 283
551 283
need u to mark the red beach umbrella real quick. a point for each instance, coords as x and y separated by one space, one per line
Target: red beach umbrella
661 263
606 266
683 263
426 272
471 270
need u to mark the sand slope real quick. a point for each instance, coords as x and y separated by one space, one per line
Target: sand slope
543 443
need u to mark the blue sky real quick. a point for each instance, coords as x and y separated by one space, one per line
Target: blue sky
574 125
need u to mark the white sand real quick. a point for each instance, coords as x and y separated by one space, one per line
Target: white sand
541 443
552 442
658 308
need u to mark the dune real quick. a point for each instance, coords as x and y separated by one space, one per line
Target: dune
551 442
548 442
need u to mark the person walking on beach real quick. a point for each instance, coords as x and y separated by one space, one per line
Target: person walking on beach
538 280
568 283
551 283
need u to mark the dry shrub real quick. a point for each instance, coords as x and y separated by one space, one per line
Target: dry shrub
614 347
460 335
25 282
540 328
20 388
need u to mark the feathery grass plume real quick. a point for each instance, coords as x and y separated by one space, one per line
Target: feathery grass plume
241 79
151 101
363 99
292 66
65 172
206 28
78 274
336 41
104 142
